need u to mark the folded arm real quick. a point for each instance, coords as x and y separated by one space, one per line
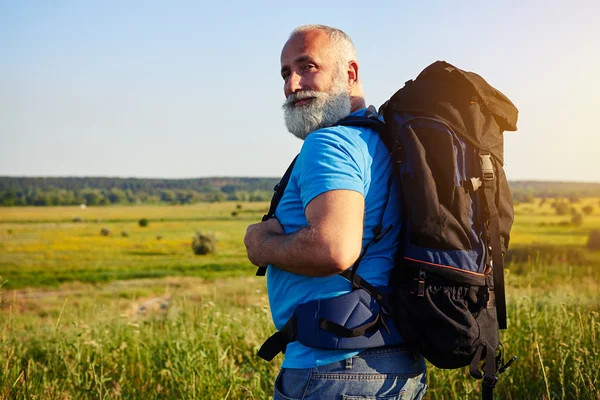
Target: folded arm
330 243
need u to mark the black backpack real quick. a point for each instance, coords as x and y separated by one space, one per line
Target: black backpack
444 133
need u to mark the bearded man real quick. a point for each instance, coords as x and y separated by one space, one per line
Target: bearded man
337 194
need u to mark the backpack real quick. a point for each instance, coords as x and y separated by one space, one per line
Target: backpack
446 295
444 131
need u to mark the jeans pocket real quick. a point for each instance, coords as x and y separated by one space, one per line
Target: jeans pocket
412 388
291 384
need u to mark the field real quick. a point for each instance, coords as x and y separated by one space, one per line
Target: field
138 315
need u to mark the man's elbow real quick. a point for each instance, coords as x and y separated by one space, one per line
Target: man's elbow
341 258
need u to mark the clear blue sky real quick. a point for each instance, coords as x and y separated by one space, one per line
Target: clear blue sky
192 89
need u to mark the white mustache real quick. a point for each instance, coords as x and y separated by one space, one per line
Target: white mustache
301 95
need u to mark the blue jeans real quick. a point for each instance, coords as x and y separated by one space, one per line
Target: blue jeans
383 373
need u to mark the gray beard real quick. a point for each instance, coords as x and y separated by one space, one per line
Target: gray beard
324 110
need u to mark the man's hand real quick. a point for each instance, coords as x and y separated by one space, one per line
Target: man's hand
256 238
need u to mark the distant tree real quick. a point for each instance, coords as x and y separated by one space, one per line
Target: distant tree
116 196
168 196
185 197
588 210
234 213
574 198
143 222
9 198
260 195
92 197
105 232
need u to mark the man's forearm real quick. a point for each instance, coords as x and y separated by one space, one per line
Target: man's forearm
304 252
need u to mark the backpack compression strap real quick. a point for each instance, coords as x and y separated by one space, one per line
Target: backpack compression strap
279 189
488 175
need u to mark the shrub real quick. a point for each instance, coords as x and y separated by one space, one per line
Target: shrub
588 210
577 219
9 231
234 213
203 243
562 208
77 219
124 233
239 206
105 232
143 222
594 240
158 237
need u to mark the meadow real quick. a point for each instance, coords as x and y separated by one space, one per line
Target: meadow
140 316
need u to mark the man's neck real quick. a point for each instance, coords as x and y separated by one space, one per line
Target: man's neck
357 103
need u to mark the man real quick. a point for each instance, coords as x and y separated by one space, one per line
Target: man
337 194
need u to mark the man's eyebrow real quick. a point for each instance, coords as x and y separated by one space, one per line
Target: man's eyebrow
298 60
302 59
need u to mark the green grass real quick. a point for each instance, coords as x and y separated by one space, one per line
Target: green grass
43 247
86 316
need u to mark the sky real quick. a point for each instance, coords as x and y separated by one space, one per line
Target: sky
185 89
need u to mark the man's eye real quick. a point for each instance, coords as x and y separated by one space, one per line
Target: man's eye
285 76
308 67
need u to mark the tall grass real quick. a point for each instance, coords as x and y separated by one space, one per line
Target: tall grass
95 336
103 343
202 346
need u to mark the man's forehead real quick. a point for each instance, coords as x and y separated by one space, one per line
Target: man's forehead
305 43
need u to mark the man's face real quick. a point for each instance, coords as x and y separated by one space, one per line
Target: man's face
315 83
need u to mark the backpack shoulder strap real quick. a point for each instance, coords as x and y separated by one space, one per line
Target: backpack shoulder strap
369 120
279 189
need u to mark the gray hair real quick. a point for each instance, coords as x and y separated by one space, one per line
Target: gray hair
340 41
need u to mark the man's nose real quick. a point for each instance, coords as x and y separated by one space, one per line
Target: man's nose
293 84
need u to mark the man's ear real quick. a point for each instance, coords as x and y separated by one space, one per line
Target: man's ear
352 73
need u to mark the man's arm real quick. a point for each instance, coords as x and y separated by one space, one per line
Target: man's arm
330 243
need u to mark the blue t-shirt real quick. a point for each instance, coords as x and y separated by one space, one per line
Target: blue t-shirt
334 158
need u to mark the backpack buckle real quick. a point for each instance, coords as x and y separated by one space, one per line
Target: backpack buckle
419 284
490 381
487 168
491 298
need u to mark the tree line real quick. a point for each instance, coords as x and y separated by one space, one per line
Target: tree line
93 191
22 191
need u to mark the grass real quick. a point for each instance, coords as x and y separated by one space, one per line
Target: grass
71 326
43 247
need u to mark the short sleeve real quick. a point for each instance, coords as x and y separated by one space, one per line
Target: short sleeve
330 159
